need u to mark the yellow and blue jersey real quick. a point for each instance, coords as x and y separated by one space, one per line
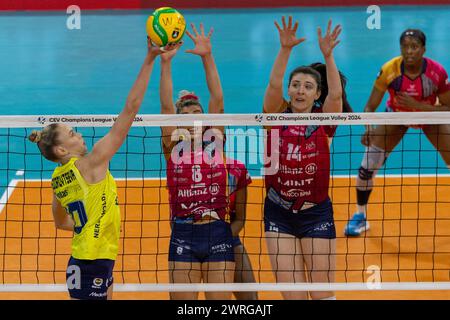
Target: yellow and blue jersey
94 209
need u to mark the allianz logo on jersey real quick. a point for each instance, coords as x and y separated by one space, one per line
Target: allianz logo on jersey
192 192
310 169
199 190
295 193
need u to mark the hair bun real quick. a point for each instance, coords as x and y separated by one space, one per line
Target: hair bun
187 95
35 136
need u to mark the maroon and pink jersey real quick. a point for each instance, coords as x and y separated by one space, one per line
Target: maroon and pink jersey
432 82
303 174
197 189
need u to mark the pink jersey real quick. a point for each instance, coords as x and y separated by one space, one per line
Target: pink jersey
425 88
238 178
303 174
197 190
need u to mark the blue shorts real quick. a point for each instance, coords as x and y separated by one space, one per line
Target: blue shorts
209 242
315 222
89 279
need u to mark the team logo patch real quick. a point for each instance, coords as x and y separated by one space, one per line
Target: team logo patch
214 189
97 282
311 168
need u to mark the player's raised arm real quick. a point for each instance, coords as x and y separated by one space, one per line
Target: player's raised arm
105 148
203 48
166 91
327 43
273 97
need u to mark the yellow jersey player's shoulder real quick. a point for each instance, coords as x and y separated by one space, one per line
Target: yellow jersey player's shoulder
388 72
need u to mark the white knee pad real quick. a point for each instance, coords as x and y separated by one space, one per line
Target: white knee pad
373 160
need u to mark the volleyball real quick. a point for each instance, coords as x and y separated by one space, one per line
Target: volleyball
165 25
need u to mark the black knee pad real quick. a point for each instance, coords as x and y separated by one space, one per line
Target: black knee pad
365 174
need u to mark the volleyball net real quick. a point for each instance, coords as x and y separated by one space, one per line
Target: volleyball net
406 248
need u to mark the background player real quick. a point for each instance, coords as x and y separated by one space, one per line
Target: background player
414 83
238 180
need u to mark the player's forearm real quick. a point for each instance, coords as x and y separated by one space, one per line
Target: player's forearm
67 224
213 81
137 92
333 79
166 88
279 68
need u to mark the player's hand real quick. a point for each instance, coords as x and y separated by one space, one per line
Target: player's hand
202 42
152 49
170 50
405 101
288 39
330 40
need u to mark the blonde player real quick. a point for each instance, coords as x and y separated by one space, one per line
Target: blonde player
85 193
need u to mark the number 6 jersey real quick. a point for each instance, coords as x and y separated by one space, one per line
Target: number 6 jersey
94 209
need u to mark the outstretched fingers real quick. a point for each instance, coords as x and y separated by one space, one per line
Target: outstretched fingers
202 29
190 35
319 33
329 27
210 32
278 26
290 22
336 32
335 44
194 29
283 20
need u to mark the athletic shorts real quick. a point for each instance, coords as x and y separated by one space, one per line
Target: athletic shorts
315 222
209 242
89 279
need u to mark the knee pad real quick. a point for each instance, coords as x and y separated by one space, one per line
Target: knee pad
373 159
365 174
